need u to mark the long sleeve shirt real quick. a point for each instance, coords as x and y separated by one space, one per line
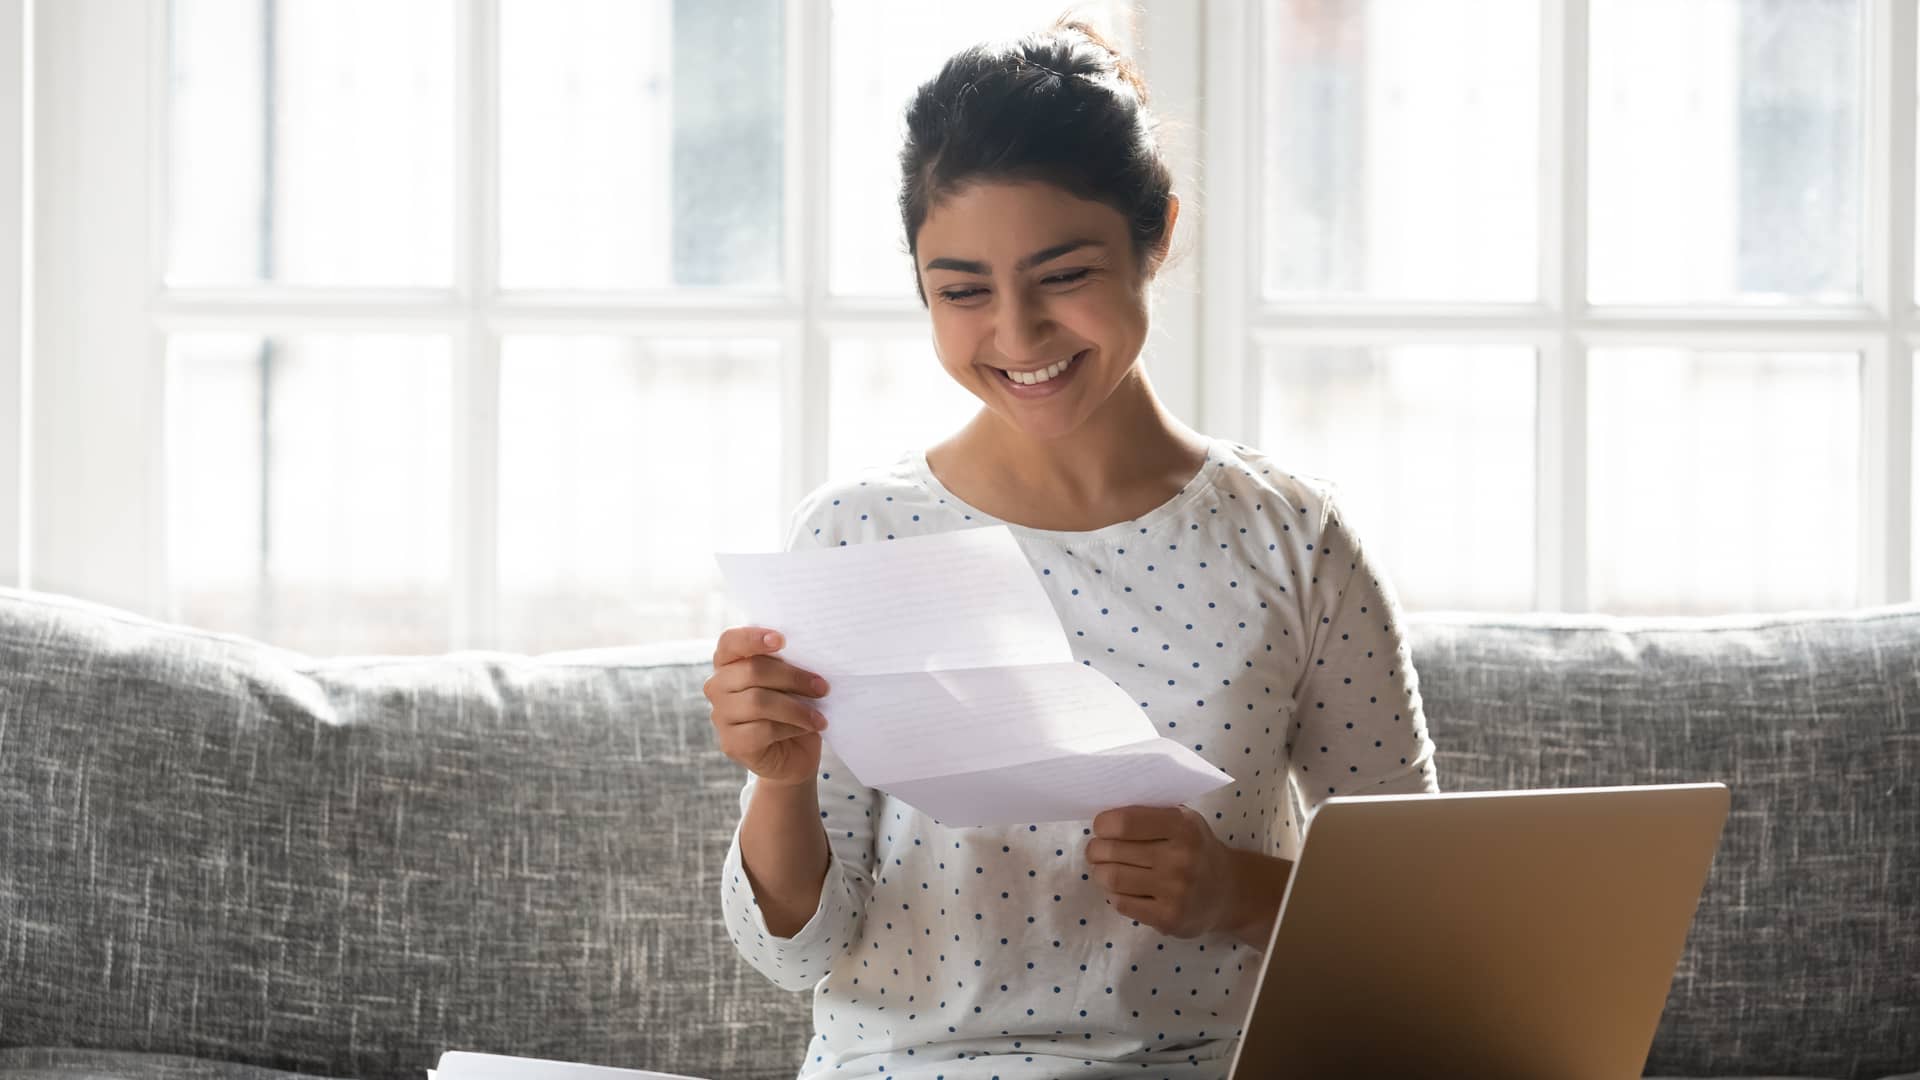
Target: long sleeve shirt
1245 618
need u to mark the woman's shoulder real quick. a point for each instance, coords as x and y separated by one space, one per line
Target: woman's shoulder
1245 472
871 499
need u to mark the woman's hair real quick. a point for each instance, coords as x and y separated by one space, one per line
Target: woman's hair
1061 106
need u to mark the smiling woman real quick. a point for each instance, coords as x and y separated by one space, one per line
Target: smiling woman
1037 217
1226 594
1063 323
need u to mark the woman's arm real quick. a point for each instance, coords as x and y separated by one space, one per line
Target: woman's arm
1358 715
1165 867
798 873
785 853
1259 882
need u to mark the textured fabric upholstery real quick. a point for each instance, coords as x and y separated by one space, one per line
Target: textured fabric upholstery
218 850
1804 955
52 1063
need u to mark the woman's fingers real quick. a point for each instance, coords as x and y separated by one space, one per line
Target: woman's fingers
1123 880
768 672
1131 852
762 713
1141 909
736 670
739 642
757 704
752 738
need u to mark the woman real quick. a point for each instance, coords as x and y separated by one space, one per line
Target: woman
1229 596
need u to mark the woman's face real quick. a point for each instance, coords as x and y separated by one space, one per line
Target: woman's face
1023 277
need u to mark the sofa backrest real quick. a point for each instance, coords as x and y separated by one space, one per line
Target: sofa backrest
343 867
1804 956
214 848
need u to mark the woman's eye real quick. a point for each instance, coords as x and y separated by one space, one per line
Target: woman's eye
963 295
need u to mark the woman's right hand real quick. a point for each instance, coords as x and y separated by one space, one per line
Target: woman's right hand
762 707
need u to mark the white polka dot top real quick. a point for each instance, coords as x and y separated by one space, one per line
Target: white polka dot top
1245 619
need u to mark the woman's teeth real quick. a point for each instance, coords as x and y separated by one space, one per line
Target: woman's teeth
1031 378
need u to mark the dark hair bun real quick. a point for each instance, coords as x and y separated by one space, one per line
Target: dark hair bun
1059 105
1123 66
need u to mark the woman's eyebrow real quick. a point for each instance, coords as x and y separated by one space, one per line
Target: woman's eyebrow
971 266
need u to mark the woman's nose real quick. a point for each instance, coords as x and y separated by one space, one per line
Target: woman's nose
1022 330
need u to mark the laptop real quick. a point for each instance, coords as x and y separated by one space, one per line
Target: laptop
1505 934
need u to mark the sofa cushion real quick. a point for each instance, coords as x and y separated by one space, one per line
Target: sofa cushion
213 848
57 1063
217 849
1804 955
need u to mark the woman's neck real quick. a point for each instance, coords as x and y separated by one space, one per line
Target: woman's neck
1128 458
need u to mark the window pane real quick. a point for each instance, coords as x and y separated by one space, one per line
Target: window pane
308 484
890 396
883 50
310 142
624 465
1402 149
1432 449
640 143
1723 482
1728 151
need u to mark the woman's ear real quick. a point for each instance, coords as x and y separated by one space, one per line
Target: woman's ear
1158 256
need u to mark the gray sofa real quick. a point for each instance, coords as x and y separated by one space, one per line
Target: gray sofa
222 859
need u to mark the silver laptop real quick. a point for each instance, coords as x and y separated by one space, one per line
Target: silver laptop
1509 934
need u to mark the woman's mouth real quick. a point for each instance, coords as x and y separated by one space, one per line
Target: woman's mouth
1042 381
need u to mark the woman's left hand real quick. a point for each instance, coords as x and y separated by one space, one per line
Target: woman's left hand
1164 867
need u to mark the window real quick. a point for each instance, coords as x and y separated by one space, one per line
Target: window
1577 301
412 325
557 269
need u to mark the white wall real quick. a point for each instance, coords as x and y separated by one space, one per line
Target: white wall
93 349
15 242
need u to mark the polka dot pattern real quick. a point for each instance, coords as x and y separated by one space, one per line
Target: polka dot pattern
1243 617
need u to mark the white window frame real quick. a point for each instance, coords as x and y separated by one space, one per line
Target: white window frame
92 479
16 282
101 532
1562 327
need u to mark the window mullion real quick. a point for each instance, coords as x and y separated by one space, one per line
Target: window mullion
16 286
476 390
1172 46
1230 214
805 389
97 526
1560 572
1887 385
1886 398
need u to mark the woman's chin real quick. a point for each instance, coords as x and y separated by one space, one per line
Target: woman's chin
1040 428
